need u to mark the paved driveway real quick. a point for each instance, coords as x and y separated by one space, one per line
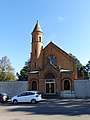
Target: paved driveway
50 109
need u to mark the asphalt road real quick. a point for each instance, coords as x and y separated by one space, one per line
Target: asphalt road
50 109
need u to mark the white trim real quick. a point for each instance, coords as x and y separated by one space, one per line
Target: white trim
49 87
49 80
33 72
63 70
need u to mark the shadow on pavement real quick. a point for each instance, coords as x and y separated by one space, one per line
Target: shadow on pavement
68 107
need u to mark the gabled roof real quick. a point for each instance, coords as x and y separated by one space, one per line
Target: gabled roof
56 68
50 68
37 27
59 49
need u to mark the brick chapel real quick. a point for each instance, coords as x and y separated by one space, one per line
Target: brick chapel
52 70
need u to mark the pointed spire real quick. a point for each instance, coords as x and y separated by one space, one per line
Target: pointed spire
37 27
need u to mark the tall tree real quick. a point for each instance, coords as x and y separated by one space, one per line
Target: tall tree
6 70
23 76
87 70
80 68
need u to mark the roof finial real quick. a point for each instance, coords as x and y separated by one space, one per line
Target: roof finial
37 27
37 21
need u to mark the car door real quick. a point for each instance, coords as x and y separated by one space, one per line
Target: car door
32 96
25 96
29 96
22 97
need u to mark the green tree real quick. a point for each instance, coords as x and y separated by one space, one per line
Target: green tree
78 63
6 70
23 76
87 70
80 68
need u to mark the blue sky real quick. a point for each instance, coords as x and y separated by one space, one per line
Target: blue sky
65 22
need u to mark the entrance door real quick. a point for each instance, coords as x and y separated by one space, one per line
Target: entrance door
50 88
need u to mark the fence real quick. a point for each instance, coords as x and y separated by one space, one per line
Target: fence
81 88
13 87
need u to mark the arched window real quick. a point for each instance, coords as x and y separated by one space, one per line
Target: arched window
52 59
34 85
40 39
66 85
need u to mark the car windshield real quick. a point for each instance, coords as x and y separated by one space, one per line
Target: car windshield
3 94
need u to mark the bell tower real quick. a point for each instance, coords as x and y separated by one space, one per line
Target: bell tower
37 48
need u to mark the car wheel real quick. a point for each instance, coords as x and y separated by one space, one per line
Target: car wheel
1 101
15 101
33 101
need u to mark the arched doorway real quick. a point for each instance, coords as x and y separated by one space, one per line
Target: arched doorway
50 83
34 85
66 84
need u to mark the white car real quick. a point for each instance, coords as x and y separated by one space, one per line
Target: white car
27 96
